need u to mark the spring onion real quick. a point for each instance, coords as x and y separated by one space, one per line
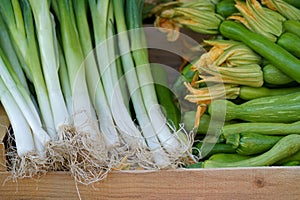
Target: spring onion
133 86
94 83
50 60
22 131
107 68
22 99
19 20
140 55
84 113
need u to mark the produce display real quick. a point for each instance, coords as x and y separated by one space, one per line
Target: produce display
251 68
81 94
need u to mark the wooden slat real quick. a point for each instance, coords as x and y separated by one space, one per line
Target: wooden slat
4 123
244 183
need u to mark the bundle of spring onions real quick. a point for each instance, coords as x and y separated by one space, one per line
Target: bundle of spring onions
77 86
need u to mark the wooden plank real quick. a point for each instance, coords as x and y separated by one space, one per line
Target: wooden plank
2 158
4 123
242 183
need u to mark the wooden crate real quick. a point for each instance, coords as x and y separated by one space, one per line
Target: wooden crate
234 183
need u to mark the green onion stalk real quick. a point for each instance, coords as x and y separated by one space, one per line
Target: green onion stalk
118 93
8 50
13 88
107 67
22 131
15 63
132 81
64 79
45 29
95 86
19 20
172 143
84 117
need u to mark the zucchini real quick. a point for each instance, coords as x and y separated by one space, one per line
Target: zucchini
292 26
280 108
286 39
228 157
294 157
252 143
221 157
248 93
226 8
189 122
284 148
187 75
291 163
272 75
165 96
194 165
218 148
295 3
274 53
262 128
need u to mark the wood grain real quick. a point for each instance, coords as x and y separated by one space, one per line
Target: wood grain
242 183
4 123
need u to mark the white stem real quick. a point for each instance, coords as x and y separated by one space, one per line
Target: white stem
24 103
50 60
167 139
95 88
83 111
22 131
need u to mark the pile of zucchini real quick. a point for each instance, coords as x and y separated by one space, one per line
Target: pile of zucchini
262 115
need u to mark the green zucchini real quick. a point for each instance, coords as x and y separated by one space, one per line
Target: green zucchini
222 158
295 3
261 128
272 75
280 108
228 157
189 121
218 148
165 96
292 26
247 143
294 157
226 8
284 148
248 93
274 53
194 165
286 39
291 163
186 75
